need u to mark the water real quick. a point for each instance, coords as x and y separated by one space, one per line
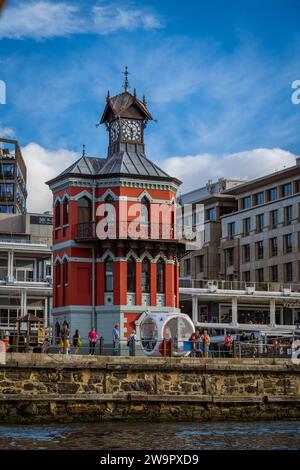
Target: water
150 436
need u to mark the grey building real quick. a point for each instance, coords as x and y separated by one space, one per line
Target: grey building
13 192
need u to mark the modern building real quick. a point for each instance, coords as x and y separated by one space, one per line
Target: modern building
99 282
254 248
13 192
25 268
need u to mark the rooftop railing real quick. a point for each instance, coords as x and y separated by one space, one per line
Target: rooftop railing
239 285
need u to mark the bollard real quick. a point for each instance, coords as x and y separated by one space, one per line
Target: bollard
164 347
101 346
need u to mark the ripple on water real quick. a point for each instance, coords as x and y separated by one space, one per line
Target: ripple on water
147 436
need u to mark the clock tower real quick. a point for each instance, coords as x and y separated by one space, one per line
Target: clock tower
125 117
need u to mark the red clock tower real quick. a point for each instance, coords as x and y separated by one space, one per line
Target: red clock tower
115 250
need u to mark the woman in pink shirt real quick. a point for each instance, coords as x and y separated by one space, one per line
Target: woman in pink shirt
93 339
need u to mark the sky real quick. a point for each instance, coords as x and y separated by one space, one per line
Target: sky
217 77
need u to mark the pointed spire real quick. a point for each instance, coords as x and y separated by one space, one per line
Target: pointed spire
108 95
126 82
83 150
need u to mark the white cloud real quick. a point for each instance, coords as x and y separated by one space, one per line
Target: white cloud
195 170
49 19
6 132
42 165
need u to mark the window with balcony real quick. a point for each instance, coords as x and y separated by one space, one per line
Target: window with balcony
274 273
24 270
109 275
84 210
246 202
199 263
288 243
260 222
7 170
286 190
274 218
246 226
146 276
211 214
247 276
130 275
288 271
160 277
288 215
3 268
230 256
274 246
259 198
6 192
231 230
187 267
297 186
246 253
260 275
260 249
272 194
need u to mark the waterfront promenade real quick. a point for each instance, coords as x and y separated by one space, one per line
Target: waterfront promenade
51 388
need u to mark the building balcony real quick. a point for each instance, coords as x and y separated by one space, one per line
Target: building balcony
87 231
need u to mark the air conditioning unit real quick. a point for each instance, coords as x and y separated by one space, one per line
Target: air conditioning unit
250 290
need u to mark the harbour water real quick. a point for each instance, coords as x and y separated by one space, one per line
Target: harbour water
280 435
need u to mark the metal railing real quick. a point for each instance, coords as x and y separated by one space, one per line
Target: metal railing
277 348
238 285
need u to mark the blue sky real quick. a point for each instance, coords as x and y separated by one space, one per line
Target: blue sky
217 76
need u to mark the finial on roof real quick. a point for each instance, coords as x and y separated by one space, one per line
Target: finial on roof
83 150
144 101
134 92
108 95
126 82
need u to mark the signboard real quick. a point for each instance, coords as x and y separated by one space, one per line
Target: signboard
41 219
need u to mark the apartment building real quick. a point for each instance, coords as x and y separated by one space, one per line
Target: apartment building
25 267
255 244
260 241
204 264
13 192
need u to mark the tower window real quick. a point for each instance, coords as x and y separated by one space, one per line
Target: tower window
109 276
57 214
145 276
66 212
84 210
130 275
160 276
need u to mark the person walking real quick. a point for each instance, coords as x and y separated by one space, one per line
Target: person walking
93 339
131 343
116 339
205 342
228 344
76 341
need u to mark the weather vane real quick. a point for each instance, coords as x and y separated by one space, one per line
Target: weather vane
126 82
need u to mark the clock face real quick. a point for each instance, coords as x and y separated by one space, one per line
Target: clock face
131 130
114 131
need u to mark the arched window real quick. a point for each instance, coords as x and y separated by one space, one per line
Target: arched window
57 214
65 212
145 276
109 275
160 276
65 272
58 274
130 275
145 218
84 210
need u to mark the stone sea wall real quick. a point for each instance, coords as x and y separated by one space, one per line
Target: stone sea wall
40 388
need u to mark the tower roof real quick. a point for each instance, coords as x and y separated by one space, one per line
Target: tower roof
124 105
